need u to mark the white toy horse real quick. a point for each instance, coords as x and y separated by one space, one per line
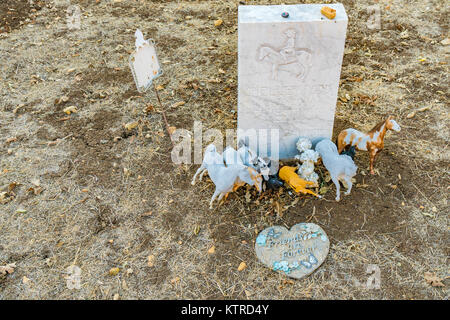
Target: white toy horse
341 167
211 157
225 177
233 157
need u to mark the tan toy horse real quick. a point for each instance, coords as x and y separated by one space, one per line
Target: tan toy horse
373 141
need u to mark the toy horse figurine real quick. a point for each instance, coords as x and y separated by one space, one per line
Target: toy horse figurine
373 141
288 175
341 167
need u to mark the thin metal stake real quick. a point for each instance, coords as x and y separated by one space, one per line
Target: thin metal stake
164 115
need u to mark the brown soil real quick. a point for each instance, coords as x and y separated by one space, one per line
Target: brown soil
111 197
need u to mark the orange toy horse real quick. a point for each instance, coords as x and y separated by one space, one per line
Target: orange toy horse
288 175
373 141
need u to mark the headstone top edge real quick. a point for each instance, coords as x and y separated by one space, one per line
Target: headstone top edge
297 13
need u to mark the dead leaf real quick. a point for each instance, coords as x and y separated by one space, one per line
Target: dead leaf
172 130
12 186
149 108
278 208
445 42
424 109
242 266
150 260
296 200
248 197
114 271
175 280
212 250
131 125
25 280
428 214
323 190
36 182
8 269
196 230
4 197
10 140
178 104
411 115
71 109
432 279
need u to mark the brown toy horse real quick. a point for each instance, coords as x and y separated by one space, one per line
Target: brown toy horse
373 141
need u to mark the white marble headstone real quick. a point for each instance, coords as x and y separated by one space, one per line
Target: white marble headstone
288 73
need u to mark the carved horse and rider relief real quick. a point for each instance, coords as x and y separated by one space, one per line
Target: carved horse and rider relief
297 59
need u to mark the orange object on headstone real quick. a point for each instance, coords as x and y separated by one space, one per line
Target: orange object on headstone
328 12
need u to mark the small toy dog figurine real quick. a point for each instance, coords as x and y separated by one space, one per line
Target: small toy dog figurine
249 158
373 141
288 175
341 167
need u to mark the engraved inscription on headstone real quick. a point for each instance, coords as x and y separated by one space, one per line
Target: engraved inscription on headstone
289 70
297 252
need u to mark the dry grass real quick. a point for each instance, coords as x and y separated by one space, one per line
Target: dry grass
399 221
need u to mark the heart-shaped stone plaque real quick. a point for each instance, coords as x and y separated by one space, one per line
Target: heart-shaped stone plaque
296 252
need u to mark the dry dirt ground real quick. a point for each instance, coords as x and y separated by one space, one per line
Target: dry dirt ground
82 190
